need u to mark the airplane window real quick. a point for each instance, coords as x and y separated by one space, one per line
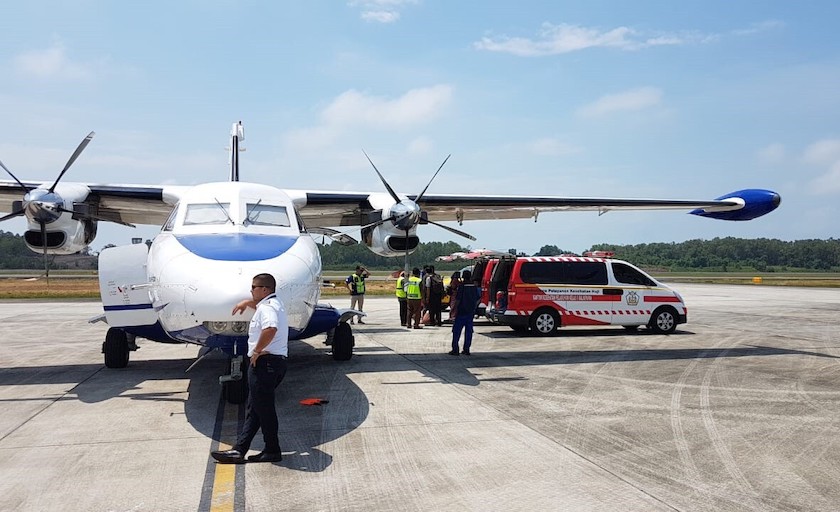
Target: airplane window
209 213
267 215
170 222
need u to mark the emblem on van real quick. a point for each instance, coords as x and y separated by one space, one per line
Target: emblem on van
632 299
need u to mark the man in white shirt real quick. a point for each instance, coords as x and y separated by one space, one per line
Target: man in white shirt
268 347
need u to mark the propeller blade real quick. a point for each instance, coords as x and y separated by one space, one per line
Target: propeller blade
9 216
96 217
73 158
14 177
452 230
44 243
377 223
433 179
407 272
390 190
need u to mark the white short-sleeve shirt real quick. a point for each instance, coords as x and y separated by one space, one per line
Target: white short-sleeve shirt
270 313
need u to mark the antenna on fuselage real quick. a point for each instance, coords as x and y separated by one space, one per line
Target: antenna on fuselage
237 135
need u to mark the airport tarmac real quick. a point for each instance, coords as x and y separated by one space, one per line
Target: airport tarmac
738 410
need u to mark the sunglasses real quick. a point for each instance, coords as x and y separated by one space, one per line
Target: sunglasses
254 287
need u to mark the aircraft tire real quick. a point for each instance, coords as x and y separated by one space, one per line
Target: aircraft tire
343 341
544 322
115 348
663 320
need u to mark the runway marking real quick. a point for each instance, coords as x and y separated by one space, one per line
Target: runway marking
224 484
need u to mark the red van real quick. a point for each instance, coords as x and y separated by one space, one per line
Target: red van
545 293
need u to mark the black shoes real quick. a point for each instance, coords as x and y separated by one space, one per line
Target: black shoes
453 352
229 457
466 352
236 457
266 457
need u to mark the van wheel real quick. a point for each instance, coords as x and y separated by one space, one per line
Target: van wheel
544 322
663 320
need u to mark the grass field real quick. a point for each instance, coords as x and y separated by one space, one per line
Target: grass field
380 283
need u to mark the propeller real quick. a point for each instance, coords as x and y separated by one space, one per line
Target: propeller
45 205
406 214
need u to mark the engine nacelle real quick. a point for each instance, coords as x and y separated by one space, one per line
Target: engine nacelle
387 240
64 235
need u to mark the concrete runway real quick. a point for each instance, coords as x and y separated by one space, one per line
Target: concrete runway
738 410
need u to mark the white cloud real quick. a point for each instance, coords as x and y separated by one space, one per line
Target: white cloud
824 153
631 100
353 111
550 146
420 146
381 11
761 26
772 154
417 106
51 63
381 16
566 38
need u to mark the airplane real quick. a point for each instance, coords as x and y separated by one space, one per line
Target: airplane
215 237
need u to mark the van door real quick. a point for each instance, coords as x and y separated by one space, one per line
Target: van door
498 286
634 286
587 298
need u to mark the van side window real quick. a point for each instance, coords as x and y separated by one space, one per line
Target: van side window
628 275
585 272
542 272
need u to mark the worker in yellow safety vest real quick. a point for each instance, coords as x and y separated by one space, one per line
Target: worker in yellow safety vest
402 297
415 299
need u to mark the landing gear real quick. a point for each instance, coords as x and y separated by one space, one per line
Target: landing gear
235 383
342 342
116 348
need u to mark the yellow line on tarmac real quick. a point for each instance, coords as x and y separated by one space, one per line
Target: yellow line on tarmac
224 481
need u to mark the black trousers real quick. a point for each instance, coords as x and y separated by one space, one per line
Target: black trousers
403 309
434 309
260 411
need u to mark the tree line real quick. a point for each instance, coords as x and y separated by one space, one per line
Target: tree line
718 254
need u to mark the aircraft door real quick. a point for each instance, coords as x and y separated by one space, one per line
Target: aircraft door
123 286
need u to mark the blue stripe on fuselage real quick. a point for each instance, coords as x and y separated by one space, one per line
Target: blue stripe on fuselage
237 246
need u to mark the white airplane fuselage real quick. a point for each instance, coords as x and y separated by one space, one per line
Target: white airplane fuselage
217 239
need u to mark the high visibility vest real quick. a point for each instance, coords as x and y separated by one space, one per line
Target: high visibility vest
400 289
360 284
414 288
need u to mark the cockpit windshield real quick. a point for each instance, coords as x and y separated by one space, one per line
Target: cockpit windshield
202 214
267 215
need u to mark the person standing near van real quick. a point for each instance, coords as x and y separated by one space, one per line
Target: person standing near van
452 290
414 298
402 297
466 300
434 295
356 284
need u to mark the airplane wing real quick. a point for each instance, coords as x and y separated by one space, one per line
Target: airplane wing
133 204
329 209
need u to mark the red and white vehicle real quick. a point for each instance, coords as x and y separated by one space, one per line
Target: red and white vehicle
545 293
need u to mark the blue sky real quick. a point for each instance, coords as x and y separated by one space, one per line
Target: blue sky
677 100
